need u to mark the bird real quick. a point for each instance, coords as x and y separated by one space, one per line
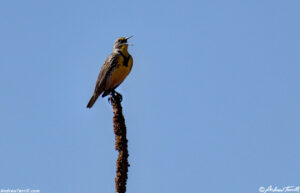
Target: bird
114 70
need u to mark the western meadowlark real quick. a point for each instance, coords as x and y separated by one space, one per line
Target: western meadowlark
114 70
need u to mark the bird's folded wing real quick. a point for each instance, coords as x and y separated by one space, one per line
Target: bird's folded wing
106 70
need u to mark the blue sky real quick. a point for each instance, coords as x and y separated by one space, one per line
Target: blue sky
211 105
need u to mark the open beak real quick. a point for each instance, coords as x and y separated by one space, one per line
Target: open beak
128 44
128 37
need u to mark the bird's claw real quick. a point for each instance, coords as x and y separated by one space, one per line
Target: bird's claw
119 96
115 96
110 98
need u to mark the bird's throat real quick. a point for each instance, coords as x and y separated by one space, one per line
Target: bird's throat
124 50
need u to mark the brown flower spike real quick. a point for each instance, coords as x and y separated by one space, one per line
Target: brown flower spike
121 143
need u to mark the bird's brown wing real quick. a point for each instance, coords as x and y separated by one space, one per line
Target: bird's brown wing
105 72
107 67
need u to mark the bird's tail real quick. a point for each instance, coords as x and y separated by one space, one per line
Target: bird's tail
92 101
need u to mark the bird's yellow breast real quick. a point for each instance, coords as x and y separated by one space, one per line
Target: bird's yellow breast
120 72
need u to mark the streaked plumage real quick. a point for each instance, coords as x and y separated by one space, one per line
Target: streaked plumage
114 70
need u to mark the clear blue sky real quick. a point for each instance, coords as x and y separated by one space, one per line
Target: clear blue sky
211 105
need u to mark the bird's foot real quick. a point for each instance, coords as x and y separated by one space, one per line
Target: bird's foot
118 95
115 96
110 98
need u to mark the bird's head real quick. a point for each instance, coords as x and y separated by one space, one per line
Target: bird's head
121 43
